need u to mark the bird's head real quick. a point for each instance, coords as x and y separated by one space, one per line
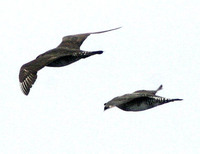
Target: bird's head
107 106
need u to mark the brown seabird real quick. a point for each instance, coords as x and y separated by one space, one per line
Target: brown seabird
138 101
66 53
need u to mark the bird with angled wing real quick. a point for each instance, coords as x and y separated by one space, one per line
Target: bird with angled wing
138 101
67 52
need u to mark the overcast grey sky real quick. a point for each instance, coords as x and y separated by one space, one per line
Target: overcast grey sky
159 43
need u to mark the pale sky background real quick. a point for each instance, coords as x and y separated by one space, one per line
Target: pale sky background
159 43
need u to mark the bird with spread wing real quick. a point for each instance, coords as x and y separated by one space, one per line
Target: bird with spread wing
138 101
67 52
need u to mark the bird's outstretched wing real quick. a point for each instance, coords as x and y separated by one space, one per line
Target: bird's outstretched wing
28 72
27 76
75 41
122 99
148 92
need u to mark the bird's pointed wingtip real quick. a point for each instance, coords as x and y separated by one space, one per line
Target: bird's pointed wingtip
105 30
160 87
114 28
24 89
117 28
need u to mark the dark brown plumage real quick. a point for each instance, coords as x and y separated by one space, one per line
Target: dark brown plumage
66 53
138 100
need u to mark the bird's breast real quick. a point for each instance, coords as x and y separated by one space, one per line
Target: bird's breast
141 104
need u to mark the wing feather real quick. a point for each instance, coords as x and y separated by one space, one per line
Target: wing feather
75 41
27 79
28 73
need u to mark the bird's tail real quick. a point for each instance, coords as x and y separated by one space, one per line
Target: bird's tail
162 100
96 52
176 99
170 100
86 54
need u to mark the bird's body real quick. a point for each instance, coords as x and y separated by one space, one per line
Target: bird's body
138 101
66 53
63 56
